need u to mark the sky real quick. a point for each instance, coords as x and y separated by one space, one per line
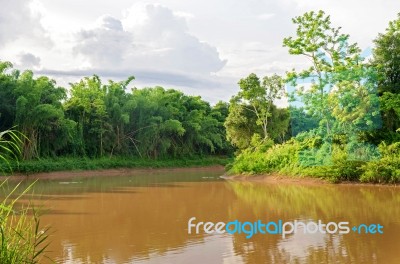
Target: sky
199 47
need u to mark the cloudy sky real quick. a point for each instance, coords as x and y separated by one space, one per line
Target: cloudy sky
199 47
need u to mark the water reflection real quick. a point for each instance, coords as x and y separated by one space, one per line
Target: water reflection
143 219
356 204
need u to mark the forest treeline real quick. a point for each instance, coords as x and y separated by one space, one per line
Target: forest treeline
107 119
342 121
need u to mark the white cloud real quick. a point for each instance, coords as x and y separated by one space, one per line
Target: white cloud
19 20
106 45
28 61
265 16
203 47
158 42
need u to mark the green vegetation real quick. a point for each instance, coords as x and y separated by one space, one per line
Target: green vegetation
342 122
21 238
99 120
110 123
337 130
64 163
9 148
253 118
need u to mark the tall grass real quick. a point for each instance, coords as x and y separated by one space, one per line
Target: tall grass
10 141
21 238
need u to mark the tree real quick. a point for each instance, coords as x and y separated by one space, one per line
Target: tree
386 59
342 95
169 123
87 107
332 59
107 119
220 112
240 125
260 97
251 111
119 104
8 82
40 116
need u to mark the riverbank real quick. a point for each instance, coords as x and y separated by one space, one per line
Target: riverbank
27 168
110 172
276 178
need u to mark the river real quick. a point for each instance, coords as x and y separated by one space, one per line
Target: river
143 218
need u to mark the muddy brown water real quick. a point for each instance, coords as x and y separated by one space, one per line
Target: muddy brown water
143 218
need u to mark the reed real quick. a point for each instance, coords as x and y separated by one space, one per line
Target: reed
22 240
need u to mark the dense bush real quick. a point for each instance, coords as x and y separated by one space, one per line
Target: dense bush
386 169
276 158
335 163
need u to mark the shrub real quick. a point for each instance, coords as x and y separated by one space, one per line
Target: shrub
386 169
276 158
334 162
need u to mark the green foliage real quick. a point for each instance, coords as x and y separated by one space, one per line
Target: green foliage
7 98
340 105
342 95
278 158
386 60
240 126
385 169
10 140
301 120
39 115
167 123
65 163
334 163
87 108
334 128
22 240
108 119
252 111
340 108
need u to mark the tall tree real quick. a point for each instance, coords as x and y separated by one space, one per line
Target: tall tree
220 112
169 123
8 82
40 115
332 59
87 107
119 104
386 59
251 110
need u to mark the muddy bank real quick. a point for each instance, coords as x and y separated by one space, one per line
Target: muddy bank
283 179
107 172
275 178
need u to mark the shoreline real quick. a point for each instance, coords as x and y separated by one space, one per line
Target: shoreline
32 167
275 178
272 178
69 174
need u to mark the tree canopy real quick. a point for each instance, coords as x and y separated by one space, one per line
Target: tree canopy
95 119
